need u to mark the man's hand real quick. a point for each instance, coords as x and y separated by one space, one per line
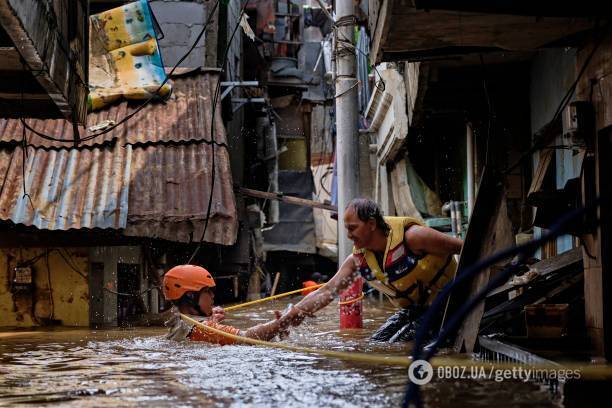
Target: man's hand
294 317
218 314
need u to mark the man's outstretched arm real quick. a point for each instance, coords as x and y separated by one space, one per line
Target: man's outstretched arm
325 294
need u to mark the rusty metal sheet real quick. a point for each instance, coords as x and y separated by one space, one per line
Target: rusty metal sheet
184 117
170 189
155 191
75 188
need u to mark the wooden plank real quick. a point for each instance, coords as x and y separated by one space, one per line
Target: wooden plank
489 230
287 199
419 30
499 237
546 266
25 96
544 163
381 31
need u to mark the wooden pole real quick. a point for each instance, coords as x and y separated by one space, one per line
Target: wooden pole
275 284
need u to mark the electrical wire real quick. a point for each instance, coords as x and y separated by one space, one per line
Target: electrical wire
539 144
212 133
524 251
131 294
490 112
70 264
52 311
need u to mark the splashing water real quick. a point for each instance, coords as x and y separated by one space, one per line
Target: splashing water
137 367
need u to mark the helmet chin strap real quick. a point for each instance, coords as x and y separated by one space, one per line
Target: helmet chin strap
193 303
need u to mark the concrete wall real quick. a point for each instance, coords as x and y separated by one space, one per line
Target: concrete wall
234 63
104 262
181 22
65 300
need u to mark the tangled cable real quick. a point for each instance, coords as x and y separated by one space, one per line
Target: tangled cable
412 397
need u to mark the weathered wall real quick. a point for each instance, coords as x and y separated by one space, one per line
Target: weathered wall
181 22
69 290
596 85
105 274
553 72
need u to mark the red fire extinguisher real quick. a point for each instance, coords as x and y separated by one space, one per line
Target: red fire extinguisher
351 308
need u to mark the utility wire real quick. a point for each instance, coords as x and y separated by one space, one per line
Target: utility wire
412 396
539 144
212 133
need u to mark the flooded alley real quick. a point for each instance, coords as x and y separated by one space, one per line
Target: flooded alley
418 192
138 367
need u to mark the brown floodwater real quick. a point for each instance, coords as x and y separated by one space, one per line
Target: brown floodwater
139 367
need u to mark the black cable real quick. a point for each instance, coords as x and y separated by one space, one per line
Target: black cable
212 132
490 113
524 251
24 147
52 311
153 96
131 294
70 264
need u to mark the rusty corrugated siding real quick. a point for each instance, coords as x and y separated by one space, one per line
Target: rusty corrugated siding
184 117
68 188
155 191
170 189
151 177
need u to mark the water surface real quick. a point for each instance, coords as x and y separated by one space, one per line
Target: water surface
139 367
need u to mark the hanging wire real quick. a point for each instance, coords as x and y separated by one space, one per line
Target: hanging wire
212 133
412 396
539 144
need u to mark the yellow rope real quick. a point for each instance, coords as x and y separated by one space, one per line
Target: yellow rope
280 295
350 301
586 371
360 357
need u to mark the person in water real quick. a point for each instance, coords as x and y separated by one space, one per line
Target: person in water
398 256
190 288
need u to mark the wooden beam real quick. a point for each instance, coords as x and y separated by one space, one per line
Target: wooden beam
24 96
546 266
489 231
381 31
420 31
287 199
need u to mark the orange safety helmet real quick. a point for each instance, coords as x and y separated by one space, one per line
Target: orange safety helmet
186 278
308 287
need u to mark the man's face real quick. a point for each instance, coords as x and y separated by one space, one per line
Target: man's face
358 231
206 301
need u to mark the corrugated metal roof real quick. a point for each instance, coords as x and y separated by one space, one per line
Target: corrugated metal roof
185 116
170 190
138 177
75 188
156 191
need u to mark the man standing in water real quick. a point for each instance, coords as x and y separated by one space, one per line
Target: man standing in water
190 288
398 256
